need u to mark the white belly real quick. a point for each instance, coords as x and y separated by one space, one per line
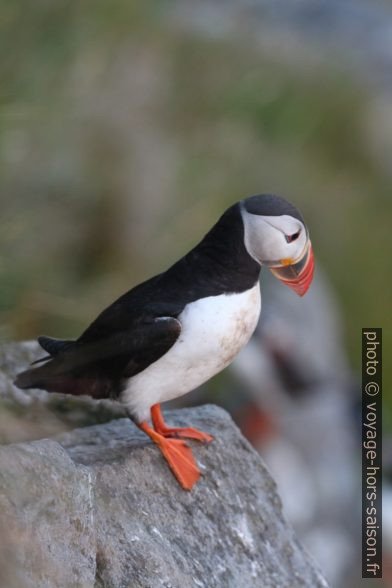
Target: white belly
214 329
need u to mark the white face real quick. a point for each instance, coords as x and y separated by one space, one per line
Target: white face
274 240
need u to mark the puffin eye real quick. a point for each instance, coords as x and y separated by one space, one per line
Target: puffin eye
293 237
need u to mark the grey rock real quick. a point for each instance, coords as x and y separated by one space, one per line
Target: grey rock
46 515
99 507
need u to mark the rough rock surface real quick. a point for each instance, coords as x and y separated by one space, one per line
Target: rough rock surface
99 507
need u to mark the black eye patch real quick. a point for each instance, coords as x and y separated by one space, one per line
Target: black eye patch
293 237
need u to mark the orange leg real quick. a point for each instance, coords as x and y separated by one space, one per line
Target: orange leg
187 432
178 455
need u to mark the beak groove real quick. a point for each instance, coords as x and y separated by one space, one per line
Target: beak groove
297 276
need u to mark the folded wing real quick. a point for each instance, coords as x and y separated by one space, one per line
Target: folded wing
98 366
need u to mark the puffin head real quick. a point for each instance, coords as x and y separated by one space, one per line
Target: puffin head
276 236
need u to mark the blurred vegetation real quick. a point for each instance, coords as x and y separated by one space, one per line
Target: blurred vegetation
123 138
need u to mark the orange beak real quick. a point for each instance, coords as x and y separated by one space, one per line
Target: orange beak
298 274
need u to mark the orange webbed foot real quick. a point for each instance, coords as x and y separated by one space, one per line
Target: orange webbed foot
178 455
184 432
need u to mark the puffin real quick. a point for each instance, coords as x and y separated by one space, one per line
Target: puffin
173 332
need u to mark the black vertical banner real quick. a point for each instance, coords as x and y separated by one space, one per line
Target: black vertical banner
371 453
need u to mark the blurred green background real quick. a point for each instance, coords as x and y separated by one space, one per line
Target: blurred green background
123 137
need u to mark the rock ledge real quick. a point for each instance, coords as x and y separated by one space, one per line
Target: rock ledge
99 507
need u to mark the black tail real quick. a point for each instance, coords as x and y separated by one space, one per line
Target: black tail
54 346
75 369
35 378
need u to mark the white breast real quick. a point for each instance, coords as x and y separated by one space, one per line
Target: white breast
214 329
